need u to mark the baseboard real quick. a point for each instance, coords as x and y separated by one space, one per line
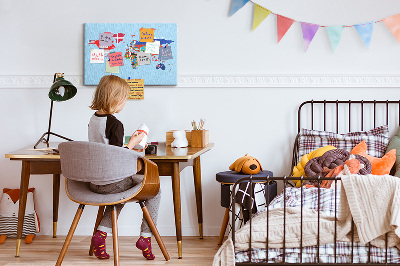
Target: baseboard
129 231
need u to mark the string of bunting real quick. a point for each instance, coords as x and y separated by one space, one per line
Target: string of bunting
309 30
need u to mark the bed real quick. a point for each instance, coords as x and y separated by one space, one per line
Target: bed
355 220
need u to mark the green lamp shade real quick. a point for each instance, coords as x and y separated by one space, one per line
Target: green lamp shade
62 90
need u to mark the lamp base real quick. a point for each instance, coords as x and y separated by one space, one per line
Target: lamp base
46 140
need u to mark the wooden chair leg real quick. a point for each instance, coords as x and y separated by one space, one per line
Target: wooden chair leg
98 220
154 230
115 235
223 227
70 234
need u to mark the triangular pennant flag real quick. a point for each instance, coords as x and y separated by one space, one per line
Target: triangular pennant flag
260 13
365 32
309 31
283 25
335 34
393 23
236 5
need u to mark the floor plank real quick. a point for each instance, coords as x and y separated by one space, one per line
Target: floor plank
44 251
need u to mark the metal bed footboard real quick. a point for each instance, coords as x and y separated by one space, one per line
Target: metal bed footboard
334 116
285 180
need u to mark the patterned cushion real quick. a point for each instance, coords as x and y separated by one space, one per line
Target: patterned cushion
377 139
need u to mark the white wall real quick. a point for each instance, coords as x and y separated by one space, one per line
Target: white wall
40 38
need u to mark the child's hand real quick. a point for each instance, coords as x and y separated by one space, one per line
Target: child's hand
135 139
141 150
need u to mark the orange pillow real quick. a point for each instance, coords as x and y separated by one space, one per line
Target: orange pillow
380 166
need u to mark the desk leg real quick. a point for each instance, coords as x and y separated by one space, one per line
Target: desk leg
25 175
176 190
197 187
56 199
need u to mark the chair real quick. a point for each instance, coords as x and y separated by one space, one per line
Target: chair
82 162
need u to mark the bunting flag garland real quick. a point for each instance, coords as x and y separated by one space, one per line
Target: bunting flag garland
309 30
260 13
236 5
335 34
393 24
283 25
365 32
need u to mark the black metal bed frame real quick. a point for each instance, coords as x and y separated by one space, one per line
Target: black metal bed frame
337 105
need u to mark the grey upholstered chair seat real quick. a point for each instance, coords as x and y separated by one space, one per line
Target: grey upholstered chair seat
80 192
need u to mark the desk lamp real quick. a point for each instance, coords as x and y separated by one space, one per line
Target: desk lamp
61 90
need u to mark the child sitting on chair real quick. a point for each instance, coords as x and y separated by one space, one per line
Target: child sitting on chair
110 98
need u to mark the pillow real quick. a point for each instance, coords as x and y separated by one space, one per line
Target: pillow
377 139
380 166
332 159
394 143
298 170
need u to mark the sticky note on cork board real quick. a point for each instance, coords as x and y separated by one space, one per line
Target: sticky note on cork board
137 89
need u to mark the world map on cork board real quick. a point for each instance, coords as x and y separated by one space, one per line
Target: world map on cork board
145 51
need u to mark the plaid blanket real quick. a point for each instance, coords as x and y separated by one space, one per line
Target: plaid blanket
326 254
310 199
292 198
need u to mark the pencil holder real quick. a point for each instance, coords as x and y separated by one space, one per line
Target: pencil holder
199 138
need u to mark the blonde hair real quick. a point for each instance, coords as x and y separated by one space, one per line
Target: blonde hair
109 93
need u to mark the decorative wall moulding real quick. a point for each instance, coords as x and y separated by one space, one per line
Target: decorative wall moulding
288 81
30 81
298 81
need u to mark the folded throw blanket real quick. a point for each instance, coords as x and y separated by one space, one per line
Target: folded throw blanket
374 204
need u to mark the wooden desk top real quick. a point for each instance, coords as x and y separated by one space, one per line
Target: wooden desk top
163 153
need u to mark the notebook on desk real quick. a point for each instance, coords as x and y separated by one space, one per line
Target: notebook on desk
151 148
49 150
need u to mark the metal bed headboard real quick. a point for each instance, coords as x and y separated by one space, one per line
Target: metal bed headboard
362 104
344 116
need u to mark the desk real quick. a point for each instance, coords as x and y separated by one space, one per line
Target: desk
170 162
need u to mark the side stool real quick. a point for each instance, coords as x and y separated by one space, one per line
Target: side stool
228 178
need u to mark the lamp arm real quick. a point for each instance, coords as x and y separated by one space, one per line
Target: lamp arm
51 114
51 111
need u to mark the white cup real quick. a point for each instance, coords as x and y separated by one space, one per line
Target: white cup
142 144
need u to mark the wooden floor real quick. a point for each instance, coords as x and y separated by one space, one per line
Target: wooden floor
44 250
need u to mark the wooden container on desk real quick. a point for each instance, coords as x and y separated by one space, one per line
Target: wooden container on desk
200 138
170 138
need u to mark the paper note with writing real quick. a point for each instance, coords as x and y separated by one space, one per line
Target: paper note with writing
165 53
153 47
105 39
146 35
143 58
110 69
137 89
116 59
97 56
